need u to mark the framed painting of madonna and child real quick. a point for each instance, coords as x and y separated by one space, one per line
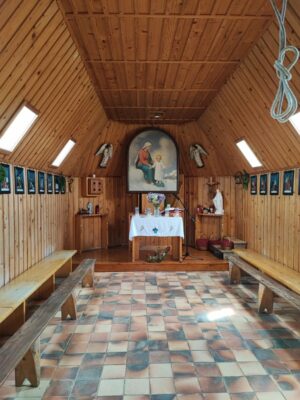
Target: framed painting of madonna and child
152 162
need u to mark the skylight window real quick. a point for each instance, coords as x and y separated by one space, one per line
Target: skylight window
17 128
295 121
248 154
63 153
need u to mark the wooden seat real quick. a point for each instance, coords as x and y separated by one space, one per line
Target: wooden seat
21 351
275 270
272 276
37 283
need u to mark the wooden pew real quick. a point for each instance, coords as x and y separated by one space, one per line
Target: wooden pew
37 283
21 351
272 276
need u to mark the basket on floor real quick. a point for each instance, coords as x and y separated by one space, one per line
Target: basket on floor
202 244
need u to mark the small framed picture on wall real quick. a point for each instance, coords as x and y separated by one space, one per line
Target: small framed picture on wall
62 185
49 183
5 183
31 181
288 182
19 180
263 184
274 183
253 184
56 184
41 182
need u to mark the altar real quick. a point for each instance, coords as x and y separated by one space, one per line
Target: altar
162 231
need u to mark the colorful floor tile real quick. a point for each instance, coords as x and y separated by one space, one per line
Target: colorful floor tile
168 336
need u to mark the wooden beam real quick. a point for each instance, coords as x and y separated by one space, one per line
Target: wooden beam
158 108
74 15
182 62
121 89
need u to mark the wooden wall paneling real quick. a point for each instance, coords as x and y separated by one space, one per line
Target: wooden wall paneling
31 227
271 224
120 135
196 192
2 255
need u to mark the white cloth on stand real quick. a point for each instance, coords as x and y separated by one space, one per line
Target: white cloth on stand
156 226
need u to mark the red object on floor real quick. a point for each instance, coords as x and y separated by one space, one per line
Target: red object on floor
202 244
226 244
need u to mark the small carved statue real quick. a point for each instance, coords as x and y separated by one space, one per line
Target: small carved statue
106 151
218 203
196 154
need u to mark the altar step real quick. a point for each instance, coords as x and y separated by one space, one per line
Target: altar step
119 259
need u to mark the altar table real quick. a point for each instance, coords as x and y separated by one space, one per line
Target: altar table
157 227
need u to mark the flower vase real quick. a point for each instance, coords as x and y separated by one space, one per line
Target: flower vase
156 211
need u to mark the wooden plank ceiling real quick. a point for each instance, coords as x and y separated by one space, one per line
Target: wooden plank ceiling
40 64
166 57
242 107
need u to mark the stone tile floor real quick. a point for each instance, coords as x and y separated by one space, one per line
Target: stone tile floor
165 336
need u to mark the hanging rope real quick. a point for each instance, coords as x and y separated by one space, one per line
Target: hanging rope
285 103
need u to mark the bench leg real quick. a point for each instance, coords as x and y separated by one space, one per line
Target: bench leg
88 280
69 308
29 368
234 274
265 299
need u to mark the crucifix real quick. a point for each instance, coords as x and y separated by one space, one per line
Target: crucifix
211 187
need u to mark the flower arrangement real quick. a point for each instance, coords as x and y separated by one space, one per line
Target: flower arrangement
156 199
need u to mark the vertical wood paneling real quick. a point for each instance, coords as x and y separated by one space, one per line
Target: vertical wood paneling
270 224
115 201
196 192
31 228
118 204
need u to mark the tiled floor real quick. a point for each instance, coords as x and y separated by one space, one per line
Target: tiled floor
169 336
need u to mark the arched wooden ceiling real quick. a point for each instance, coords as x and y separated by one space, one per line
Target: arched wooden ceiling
242 107
165 56
40 63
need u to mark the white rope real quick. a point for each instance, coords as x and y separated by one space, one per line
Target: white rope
285 103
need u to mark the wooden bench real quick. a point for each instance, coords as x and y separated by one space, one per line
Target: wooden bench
272 276
22 350
37 283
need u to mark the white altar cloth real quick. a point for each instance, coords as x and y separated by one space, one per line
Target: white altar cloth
156 226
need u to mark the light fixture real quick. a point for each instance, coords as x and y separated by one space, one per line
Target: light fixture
295 121
248 154
17 128
63 153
